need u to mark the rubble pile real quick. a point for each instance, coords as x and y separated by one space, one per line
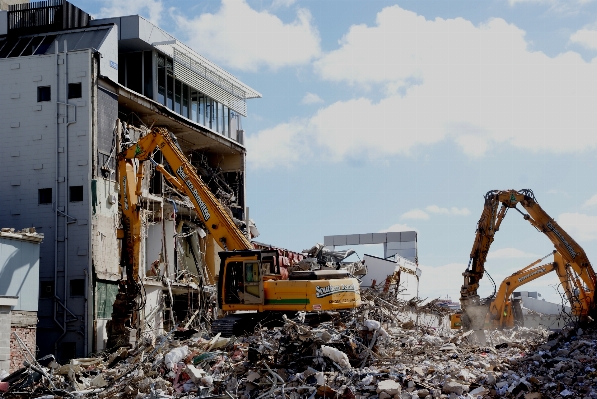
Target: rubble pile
372 352
564 366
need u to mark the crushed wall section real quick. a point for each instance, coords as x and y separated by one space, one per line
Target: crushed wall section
24 325
105 221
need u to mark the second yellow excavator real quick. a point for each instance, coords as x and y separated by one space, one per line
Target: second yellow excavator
502 312
571 263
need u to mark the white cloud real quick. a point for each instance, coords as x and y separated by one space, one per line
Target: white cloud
311 98
510 253
479 86
445 211
460 211
282 3
278 145
151 9
586 38
556 6
591 201
398 227
580 226
437 209
415 214
240 37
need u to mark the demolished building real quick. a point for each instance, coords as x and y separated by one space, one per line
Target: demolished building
73 86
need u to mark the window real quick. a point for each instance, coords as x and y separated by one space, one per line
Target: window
221 119
147 71
170 92
201 118
209 113
46 289
161 79
77 287
74 90
169 83
194 105
44 196
76 194
225 121
177 95
134 75
44 93
105 296
185 101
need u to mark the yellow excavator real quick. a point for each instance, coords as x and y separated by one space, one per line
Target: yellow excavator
570 261
249 279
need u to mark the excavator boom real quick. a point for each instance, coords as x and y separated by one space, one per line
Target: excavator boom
209 209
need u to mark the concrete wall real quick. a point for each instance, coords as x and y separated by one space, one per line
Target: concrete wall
19 272
403 243
109 58
105 245
35 143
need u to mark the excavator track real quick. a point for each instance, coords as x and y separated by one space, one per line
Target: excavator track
238 324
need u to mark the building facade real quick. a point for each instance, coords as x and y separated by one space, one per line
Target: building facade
72 87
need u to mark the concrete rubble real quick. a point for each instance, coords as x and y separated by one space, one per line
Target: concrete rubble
372 352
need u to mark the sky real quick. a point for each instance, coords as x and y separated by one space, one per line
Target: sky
400 115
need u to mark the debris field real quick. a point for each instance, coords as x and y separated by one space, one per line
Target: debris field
371 352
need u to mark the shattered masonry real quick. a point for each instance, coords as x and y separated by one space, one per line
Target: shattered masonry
375 351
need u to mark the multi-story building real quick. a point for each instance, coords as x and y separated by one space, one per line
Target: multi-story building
66 80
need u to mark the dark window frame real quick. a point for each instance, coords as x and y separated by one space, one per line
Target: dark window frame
75 90
76 287
44 93
44 196
74 195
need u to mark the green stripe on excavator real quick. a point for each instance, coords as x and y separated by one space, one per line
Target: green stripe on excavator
291 301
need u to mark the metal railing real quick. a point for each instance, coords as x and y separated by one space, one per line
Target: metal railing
45 16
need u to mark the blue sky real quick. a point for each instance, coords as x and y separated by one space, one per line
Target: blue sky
394 115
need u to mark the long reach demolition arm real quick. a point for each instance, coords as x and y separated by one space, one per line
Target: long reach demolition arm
579 272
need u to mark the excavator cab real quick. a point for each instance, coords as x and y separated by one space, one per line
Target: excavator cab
242 274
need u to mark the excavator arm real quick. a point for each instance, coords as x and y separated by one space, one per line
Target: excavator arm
500 310
124 317
578 270
217 221
213 215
